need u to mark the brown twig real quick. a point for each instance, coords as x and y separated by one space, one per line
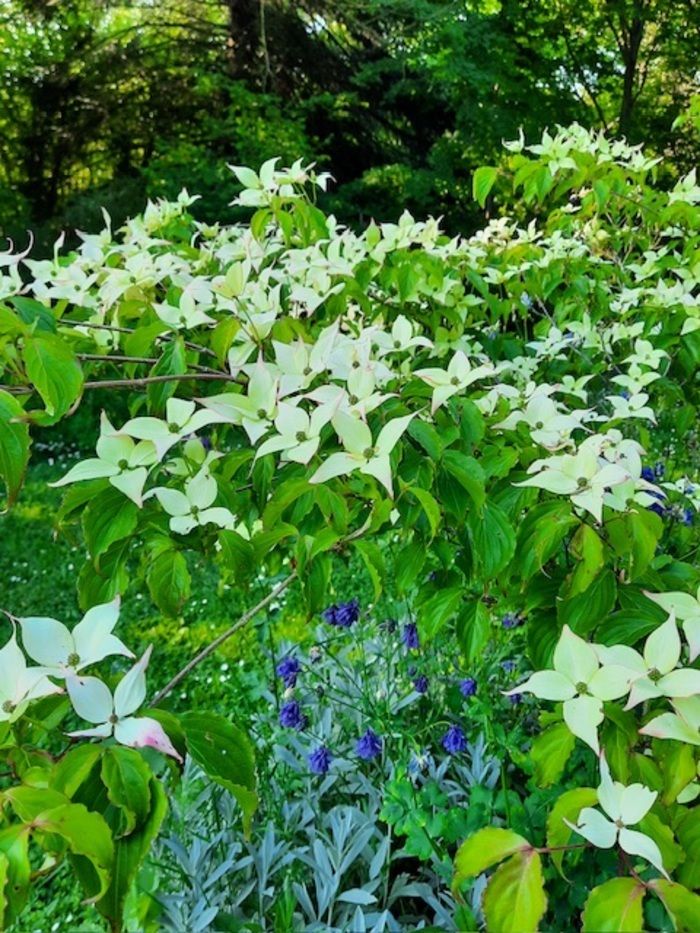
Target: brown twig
131 383
212 646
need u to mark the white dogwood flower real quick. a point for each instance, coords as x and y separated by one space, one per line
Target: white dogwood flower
181 419
193 507
683 725
19 684
458 375
255 409
299 433
400 339
580 476
361 452
119 459
687 609
113 715
581 683
654 673
625 807
62 651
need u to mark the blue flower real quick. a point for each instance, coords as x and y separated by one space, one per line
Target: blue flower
648 474
343 614
467 687
319 760
515 699
508 666
659 470
291 716
511 620
454 741
409 636
658 508
420 684
687 517
368 746
287 669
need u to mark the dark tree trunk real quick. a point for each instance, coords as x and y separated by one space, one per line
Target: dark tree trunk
633 34
244 38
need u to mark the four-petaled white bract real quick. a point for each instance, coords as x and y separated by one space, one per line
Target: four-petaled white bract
683 725
181 419
113 715
654 673
579 680
458 375
624 806
687 609
193 507
63 652
361 452
119 459
19 684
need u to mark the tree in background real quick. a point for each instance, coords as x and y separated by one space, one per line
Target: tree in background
106 102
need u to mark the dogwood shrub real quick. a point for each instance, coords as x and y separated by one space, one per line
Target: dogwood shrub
514 412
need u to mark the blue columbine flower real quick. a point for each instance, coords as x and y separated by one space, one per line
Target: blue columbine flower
687 517
511 620
454 741
368 746
409 636
291 716
508 666
287 669
320 760
420 684
648 474
467 687
343 614
515 699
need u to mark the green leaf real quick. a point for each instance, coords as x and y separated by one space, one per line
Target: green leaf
14 847
127 778
682 905
436 610
14 446
173 361
482 182
74 768
550 751
168 581
429 505
484 849
514 899
473 629
586 610
678 767
427 436
587 548
409 564
33 312
226 754
87 835
468 474
374 562
102 580
671 853
615 907
688 834
108 518
567 807
54 372
129 853
492 538
28 802
314 582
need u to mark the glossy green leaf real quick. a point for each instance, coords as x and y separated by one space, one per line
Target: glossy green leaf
54 372
14 446
615 907
515 899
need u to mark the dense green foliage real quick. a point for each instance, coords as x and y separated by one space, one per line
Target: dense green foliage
495 434
105 102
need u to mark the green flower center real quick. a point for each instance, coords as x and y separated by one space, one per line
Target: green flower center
353 399
582 688
73 659
8 706
454 381
113 719
355 364
581 482
195 511
654 675
174 428
301 437
123 464
397 344
262 414
368 453
539 425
